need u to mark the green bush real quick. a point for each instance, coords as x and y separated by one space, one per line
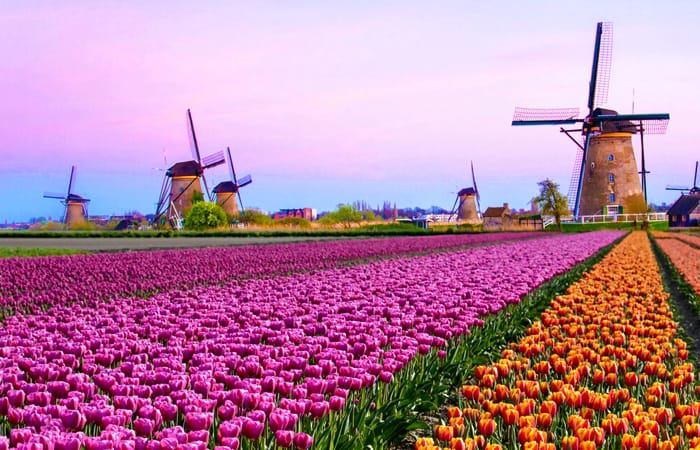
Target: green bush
205 215
296 222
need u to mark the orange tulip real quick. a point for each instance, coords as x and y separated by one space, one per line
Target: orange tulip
631 379
570 443
510 415
549 407
454 411
487 427
471 392
544 421
444 433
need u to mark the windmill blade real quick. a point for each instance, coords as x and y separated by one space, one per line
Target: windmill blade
72 177
695 179
476 189
54 195
582 171
213 160
674 187
206 186
600 71
454 207
193 138
231 170
545 116
245 181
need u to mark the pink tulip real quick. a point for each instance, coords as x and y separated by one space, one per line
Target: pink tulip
284 438
195 421
303 441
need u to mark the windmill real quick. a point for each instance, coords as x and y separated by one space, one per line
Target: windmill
694 189
467 203
75 211
226 191
181 182
605 175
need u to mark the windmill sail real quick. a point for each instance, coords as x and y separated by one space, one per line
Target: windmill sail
597 121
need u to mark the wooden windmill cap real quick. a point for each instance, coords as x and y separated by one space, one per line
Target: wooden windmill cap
224 187
185 169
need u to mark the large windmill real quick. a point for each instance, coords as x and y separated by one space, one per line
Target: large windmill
226 191
75 211
467 203
182 181
693 189
605 176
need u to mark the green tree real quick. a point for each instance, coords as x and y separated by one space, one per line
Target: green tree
346 214
551 202
369 215
205 215
253 217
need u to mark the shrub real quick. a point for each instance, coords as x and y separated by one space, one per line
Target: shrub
205 215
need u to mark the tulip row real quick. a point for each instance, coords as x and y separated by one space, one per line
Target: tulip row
260 361
28 284
603 368
691 239
683 256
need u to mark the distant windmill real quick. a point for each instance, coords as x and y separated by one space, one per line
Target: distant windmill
181 181
694 188
75 211
605 172
226 191
467 203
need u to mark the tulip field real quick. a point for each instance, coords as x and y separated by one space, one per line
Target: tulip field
330 345
603 368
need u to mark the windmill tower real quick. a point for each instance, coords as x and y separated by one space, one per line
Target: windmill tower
75 211
226 191
691 190
182 182
467 203
605 176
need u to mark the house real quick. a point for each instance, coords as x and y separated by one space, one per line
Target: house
685 212
498 218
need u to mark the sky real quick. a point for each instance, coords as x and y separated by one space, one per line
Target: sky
327 102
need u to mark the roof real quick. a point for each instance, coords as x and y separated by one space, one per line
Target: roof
494 211
684 205
615 126
225 186
467 191
185 169
75 198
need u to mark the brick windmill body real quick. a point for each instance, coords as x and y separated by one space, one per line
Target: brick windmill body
75 211
227 191
466 204
183 183
605 179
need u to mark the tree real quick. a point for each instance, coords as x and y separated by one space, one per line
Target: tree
346 214
204 215
551 202
253 217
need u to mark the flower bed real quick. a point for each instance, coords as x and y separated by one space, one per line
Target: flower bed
258 361
685 258
602 369
31 283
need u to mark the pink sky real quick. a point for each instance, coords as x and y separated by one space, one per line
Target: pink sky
326 104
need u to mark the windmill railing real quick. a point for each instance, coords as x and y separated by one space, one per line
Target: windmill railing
606 218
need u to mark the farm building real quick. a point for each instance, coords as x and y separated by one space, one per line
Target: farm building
498 218
685 212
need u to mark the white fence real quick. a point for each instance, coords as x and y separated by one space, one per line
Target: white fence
649 217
